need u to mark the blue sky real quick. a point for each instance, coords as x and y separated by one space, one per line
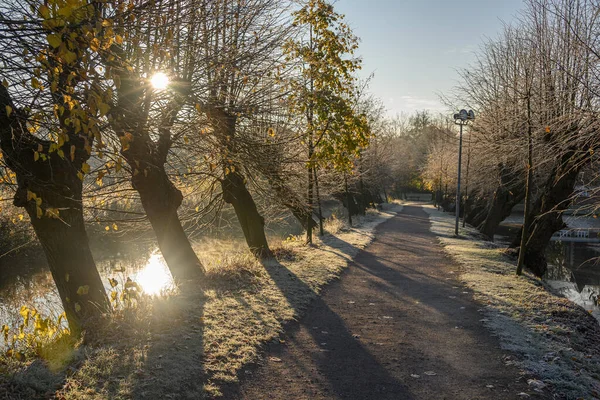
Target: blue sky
415 47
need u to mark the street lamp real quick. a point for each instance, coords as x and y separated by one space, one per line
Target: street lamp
461 119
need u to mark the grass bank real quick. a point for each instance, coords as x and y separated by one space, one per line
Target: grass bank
189 346
555 342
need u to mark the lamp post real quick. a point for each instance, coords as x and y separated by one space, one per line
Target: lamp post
461 119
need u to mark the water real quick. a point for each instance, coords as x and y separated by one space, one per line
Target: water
31 284
573 268
574 271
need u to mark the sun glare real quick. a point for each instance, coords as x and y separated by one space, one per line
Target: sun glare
155 276
159 81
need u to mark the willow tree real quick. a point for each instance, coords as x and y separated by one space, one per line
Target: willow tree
234 85
50 111
323 94
151 38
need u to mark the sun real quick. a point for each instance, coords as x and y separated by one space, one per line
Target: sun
159 81
154 277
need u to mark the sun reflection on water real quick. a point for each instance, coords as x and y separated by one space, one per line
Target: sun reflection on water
155 277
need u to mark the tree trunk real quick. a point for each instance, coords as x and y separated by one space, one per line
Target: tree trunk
554 200
65 244
147 157
477 211
51 192
502 204
362 198
252 223
290 200
321 231
309 197
161 200
349 200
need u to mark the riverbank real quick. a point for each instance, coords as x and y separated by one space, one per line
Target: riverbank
555 342
190 346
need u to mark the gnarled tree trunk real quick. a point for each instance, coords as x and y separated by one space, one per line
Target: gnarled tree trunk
50 190
234 187
65 244
510 192
236 193
147 157
161 200
477 210
554 200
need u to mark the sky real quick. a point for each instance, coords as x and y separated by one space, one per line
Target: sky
415 47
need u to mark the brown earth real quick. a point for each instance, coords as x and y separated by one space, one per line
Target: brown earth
398 325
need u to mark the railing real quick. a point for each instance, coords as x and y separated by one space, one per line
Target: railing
584 235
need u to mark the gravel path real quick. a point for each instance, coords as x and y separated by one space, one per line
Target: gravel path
398 325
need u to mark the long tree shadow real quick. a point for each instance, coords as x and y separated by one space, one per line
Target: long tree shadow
170 365
424 298
349 369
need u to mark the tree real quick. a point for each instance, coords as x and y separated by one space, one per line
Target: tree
234 87
144 119
47 133
324 93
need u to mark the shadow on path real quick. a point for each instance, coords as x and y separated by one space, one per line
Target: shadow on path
398 325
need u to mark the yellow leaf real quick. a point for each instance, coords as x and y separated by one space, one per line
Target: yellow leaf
36 84
85 167
44 11
70 57
103 108
107 228
20 217
118 39
5 83
39 212
115 227
77 307
72 153
94 44
8 111
52 213
80 175
65 11
36 156
54 40
82 290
